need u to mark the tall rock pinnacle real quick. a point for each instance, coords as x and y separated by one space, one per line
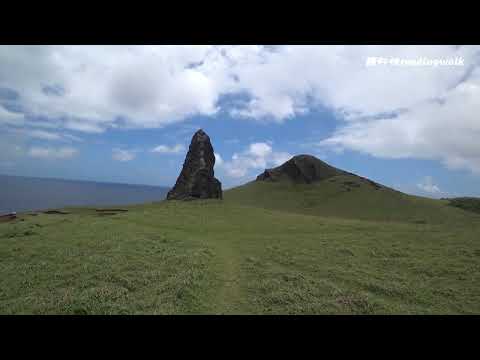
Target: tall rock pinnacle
197 181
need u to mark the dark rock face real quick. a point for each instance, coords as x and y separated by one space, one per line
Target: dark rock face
307 169
197 181
301 169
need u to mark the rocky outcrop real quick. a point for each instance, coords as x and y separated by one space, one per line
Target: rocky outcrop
197 181
307 169
301 169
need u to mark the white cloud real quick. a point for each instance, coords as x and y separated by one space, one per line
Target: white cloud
259 150
104 86
165 149
123 155
258 156
446 131
71 137
292 79
11 118
218 160
101 87
52 153
151 86
427 185
44 135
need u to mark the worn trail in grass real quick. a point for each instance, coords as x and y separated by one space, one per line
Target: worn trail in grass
230 298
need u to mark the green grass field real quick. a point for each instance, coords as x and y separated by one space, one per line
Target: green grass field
265 249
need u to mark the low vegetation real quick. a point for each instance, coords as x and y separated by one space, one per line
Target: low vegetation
466 203
297 250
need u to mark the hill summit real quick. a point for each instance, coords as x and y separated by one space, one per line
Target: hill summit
301 169
307 169
197 180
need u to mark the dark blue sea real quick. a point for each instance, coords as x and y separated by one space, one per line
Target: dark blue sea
29 194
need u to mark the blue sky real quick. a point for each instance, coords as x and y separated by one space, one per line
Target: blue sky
127 113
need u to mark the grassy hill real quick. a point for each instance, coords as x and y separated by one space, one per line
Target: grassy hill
346 196
223 257
466 203
305 238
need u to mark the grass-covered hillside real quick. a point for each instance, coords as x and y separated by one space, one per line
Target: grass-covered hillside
345 196
286 254
466 203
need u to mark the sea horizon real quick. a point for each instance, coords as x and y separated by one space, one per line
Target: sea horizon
25 193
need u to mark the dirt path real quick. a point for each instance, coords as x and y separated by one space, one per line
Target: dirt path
230 298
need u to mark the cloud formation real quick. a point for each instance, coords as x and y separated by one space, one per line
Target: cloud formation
258 156
447 131
123 155
427 185
97 87
218 160
52 153
10 118
44 135
385 111
165 149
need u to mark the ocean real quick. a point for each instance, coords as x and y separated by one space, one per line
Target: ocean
20 194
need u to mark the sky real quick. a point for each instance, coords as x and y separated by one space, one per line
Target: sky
127 113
